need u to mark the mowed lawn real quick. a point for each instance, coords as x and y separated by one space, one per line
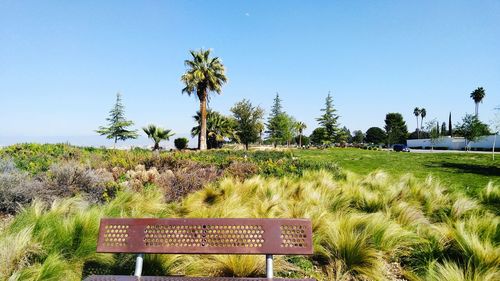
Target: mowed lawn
469 172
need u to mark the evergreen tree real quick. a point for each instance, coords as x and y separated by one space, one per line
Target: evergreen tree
375 135
318 136
117 128
395 128
358 136
275 130
343 135
329 119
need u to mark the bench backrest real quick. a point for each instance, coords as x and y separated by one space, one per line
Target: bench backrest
206 236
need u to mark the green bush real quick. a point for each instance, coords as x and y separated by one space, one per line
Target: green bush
181 143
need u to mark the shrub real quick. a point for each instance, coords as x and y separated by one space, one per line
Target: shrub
16 188
181 143
188 180
68 179
241 170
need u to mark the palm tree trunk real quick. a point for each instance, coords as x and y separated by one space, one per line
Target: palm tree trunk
418 130
203 130
300 140
477 107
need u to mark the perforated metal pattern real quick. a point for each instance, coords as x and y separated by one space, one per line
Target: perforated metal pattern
116 235
206 236
293 236
173 278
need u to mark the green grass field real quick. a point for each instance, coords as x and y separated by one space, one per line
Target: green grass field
470 172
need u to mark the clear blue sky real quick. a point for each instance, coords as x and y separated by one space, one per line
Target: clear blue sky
62 62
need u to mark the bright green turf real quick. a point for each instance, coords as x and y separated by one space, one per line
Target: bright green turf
469 172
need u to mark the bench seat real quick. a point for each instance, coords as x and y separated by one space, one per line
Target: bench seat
240 236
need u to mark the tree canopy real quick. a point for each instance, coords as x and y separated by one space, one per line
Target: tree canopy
395 128
328 120
472 128
117 128
375 135
248 118
203 75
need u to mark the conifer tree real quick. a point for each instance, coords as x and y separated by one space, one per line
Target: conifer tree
117 128
329 119
274 122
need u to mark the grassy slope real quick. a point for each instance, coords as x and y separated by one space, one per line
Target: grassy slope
469 172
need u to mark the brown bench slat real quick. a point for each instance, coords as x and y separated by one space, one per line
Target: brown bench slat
205 236
173 278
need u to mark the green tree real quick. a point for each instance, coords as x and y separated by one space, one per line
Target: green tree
288 126
118 124
248 118
395 128
219 128
433 129
375 135
181 143
203 75
290 129
304 139
275 130
157 134
318 136
416 112
471 129
329 119
358 136
343 136
478 95
301 126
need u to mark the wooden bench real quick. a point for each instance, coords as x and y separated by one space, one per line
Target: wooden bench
203 236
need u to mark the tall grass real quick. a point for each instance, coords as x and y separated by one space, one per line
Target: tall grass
361 225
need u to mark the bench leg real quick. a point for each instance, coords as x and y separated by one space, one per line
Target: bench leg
138 265
269 266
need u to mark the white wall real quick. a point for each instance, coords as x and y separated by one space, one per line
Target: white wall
456 143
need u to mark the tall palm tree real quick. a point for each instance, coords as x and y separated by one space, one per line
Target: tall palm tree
478 96
301 126
416 112
203 75
423 113
157 134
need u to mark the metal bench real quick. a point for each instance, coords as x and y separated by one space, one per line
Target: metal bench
203 236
